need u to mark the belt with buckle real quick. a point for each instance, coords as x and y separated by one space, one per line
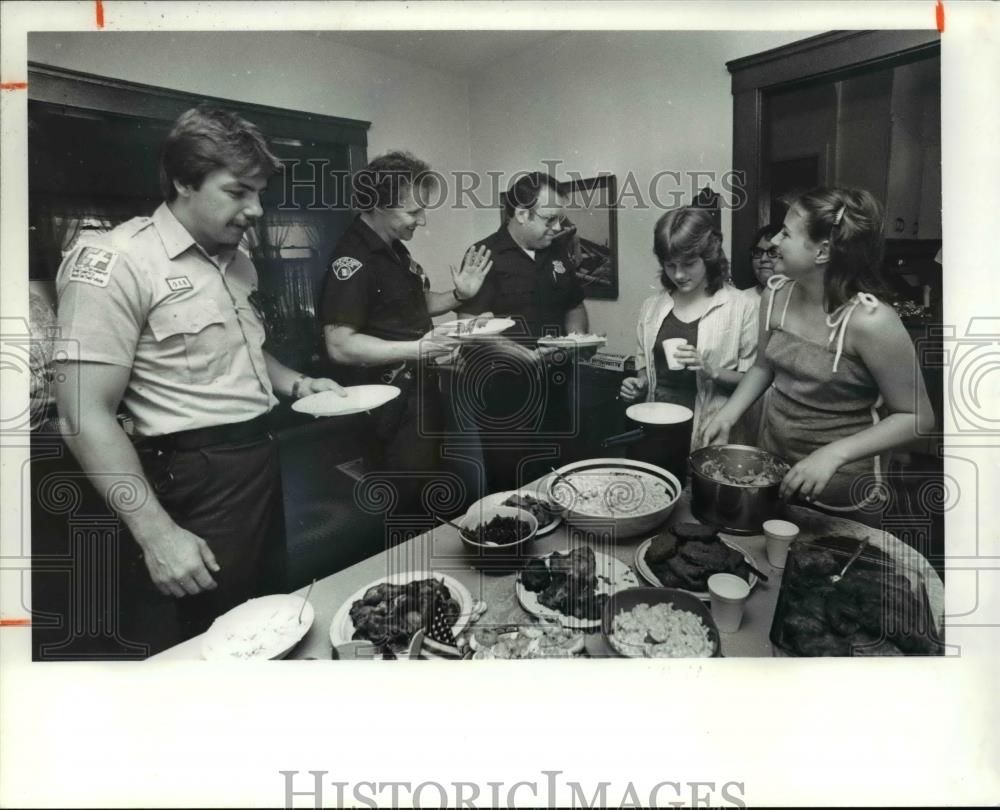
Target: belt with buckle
210 436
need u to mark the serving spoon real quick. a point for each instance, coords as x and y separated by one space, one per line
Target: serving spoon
857 553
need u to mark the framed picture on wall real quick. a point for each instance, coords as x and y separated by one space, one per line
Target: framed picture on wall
592 241
589 238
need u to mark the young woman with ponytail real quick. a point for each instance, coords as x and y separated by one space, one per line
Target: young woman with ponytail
844 384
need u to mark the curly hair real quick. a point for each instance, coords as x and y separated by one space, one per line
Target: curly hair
205 139
853 222
689 233
384 182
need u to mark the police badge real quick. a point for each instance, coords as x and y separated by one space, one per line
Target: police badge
345 267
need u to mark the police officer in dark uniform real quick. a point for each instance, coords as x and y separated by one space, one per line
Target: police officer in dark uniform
376 309
533 282
161 310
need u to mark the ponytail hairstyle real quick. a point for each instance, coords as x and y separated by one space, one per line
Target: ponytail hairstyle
690 233
852 220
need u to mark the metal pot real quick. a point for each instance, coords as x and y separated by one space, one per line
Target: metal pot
659 433
737 508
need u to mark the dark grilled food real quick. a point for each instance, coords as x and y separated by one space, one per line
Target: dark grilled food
389 614
542 510
568 583
693 531
663 547
535 576
873 610
691 555
499 531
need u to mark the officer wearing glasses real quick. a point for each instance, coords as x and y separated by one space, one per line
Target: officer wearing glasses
525 397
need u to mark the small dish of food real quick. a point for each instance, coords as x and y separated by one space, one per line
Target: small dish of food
264 628
545 512
541 640
686 555
573 340
659 623
498 537
390 610
572 586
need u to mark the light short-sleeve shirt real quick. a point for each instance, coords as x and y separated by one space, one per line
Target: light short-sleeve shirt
147 297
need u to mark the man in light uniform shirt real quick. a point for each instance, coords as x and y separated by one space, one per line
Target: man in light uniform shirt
161 310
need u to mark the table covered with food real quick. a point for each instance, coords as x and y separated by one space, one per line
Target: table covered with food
608 557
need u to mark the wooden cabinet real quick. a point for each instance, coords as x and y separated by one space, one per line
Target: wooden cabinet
883 129
913 186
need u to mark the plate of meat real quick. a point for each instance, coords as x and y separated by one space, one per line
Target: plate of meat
390 610
686 555
573 340
571 586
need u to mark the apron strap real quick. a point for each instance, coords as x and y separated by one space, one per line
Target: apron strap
775 283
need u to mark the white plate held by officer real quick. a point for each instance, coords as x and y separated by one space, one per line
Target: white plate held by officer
359 398
473 328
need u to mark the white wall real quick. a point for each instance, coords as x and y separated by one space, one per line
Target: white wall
410 106
617 102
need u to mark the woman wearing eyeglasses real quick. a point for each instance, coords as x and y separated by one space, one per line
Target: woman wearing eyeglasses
762 256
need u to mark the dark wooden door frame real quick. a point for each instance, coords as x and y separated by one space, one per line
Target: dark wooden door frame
829 56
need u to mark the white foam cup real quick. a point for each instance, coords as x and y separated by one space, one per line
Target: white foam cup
728 594
779 535
670 350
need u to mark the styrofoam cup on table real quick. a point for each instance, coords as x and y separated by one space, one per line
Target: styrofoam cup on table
779 535
728 594
670 351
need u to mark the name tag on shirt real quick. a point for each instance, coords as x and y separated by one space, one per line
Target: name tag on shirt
179 283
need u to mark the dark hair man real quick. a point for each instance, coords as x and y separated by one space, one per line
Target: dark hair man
161 310
532 281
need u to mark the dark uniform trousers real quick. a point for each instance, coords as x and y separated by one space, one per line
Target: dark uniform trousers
229 494
405 448
523 415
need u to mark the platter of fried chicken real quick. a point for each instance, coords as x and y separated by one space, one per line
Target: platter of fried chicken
879 606
389 611
572 586
686 555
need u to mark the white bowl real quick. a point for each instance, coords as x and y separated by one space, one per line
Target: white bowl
621 511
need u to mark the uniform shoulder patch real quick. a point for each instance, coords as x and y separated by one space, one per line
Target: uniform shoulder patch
93 266
345 267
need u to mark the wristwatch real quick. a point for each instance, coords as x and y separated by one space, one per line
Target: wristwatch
458 297
297 385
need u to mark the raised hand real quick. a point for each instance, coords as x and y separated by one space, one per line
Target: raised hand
475 266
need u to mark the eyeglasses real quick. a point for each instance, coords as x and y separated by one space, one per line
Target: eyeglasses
549 222
772 252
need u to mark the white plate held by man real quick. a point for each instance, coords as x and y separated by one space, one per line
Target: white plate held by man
360 398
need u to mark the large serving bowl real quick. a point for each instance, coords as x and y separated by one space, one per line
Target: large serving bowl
620 496
498 557
734 487
624 601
